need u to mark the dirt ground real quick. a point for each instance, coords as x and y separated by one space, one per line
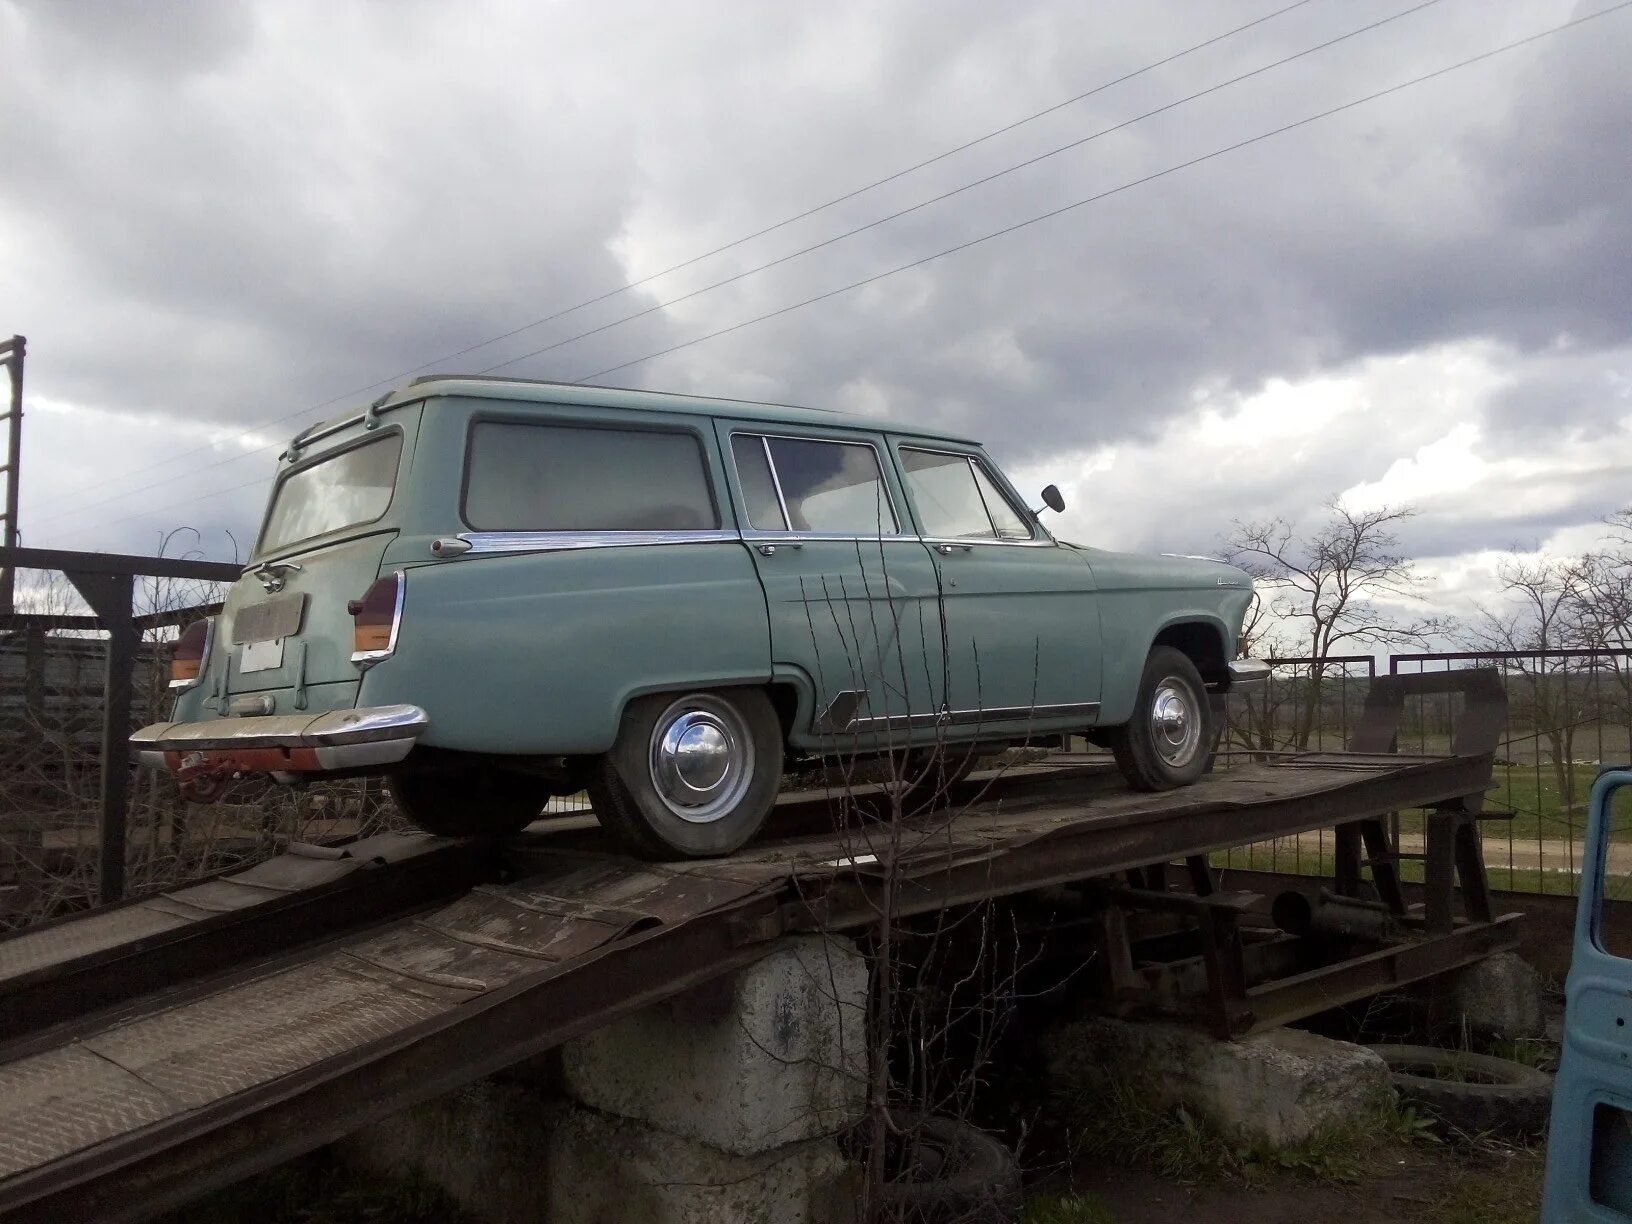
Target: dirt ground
1405 1183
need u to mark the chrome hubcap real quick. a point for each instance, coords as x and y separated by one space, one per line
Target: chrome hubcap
702 759
1174 723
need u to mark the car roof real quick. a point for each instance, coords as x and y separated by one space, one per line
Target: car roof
526 390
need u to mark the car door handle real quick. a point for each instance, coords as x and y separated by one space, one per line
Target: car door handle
769 550
947 550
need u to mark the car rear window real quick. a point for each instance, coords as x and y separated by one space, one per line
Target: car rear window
525 477
346 489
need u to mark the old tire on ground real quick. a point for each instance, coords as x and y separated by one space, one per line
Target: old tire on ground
468 801
691 775
1169 740
1475 1093
953 1172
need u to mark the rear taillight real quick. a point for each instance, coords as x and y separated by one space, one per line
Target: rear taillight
191 654
374 620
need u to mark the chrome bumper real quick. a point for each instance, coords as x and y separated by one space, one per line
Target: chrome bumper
338 739
1248 675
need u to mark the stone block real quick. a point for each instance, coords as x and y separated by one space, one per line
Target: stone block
485 1145
774 1055
604 1168
1276 1088
1496 999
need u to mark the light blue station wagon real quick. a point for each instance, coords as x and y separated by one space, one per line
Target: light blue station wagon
495 591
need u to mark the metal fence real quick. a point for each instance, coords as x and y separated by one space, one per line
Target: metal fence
1569 714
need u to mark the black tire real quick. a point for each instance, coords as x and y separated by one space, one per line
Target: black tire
1153 761
927 776
624 786
955 1172
468 801
1475 1093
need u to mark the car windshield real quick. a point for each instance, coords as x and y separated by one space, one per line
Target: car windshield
347 489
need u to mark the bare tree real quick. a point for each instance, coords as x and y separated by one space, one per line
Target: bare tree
1328 588
1601 611
1541 614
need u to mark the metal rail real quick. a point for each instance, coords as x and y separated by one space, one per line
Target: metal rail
66 969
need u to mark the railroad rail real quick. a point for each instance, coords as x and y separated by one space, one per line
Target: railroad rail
116 1108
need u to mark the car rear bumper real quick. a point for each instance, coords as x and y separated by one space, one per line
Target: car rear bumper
1248 675
285 743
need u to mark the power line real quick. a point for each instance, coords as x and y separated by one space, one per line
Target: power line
959 190
1020 225
1138 182
736 242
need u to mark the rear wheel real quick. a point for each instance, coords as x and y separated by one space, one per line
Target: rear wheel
691 776
468 801
1169 740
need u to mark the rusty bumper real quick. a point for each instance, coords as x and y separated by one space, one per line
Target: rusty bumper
284 743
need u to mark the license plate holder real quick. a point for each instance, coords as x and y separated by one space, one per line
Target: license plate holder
260 656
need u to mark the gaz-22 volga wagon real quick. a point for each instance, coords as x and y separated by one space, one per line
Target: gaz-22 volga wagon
496 591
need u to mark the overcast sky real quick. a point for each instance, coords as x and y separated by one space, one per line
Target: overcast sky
214 217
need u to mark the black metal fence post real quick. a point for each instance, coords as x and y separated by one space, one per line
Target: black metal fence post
111 597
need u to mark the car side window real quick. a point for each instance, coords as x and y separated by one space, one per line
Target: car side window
536 477
957 500
825 486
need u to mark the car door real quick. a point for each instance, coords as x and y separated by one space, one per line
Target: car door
1589 1143
1022 618
851 595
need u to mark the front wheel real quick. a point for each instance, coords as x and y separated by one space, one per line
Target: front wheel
691 776
1168 741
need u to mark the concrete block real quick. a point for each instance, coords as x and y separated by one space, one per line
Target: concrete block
1498 999
778 1055
1277 1088
485 1145
603 1168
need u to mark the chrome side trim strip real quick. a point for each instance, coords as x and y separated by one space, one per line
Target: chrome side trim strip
562 541
981 542
794 537
965 718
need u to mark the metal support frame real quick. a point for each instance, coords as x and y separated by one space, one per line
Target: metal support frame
12 353
1435 939
107 582
111 597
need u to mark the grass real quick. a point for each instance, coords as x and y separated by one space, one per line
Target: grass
1485 1195
1126 1125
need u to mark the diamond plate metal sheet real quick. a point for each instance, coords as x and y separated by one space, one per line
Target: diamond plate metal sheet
226 1043
67 1099
53 945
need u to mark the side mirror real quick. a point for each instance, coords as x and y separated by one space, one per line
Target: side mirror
1053 499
